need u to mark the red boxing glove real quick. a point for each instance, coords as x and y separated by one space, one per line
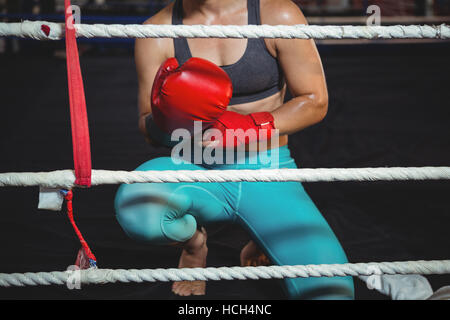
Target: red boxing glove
198 90
257 126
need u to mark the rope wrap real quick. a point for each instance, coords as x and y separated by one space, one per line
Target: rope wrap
102 276
33 29
66 178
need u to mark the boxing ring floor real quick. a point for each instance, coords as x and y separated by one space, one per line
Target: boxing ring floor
389 106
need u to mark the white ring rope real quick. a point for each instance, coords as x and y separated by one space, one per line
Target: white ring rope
66 178
33 29
102 276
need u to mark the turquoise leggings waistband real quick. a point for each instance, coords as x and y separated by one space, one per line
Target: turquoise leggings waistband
230 159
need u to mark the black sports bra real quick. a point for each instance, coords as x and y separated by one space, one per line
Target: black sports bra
256 75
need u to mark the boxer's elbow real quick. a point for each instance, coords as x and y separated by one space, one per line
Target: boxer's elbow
320 106
144 130
142 125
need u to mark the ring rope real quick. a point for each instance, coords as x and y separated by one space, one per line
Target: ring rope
102 276
66 178
42 30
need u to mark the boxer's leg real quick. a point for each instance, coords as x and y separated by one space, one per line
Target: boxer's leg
169 212
164 213
291 231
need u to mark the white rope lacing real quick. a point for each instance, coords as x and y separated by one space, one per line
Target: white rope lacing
33 29
102 276
66 178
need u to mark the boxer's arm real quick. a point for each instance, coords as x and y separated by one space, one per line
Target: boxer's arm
303 70
149 55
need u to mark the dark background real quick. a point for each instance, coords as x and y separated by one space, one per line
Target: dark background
389 106
309 7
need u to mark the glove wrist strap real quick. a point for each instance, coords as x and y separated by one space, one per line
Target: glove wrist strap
263 120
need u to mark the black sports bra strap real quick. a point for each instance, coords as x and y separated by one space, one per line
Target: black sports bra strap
177 14
253 12
182 52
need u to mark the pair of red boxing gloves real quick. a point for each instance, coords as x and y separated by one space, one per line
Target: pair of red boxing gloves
199 90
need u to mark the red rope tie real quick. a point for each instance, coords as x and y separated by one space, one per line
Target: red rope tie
85 247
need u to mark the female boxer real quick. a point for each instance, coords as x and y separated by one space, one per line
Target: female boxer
280 217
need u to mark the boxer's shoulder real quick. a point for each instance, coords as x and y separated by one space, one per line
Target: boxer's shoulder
281 12
159 48
164 16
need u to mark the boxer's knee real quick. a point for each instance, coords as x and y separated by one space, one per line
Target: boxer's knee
180 229
155 212
153 219
141 223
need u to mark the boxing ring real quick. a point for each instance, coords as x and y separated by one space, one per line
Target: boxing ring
69 179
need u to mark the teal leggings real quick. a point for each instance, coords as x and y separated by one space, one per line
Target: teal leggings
280 217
